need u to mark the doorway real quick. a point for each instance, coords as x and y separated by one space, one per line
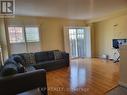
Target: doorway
78 42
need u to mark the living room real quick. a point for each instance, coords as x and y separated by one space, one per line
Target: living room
90 68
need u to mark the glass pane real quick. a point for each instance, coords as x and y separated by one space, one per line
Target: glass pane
32 34
32 39
81 42
17 41
73 43
16 34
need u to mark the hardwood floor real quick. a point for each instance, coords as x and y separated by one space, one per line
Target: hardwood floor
84 77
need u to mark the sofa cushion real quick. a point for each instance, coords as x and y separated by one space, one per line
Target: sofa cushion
46 62
9 69
41 56
8 72
1 67
29 68
43 65
50 65
29 58
11 63
17 59
50 55
58 55
21 55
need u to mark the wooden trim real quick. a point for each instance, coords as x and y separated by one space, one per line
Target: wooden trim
123 84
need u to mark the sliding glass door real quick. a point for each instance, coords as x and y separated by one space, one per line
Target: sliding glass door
77 42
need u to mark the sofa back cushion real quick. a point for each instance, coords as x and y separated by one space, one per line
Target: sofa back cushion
58 55
10 63
10 67
1 67
29 58
17 59
41 56
25 58
44 56
51 55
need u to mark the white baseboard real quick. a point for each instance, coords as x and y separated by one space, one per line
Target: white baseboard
123 84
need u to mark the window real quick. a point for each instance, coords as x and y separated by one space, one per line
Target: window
24 39
32 34
16 34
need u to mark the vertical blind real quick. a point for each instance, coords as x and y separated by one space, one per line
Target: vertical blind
24 39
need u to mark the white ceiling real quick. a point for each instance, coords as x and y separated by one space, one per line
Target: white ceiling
74 9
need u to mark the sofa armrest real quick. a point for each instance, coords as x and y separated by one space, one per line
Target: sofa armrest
66 57
18 83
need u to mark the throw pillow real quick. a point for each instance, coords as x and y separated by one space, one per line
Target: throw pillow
18 59
57 55
32 58
29 58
